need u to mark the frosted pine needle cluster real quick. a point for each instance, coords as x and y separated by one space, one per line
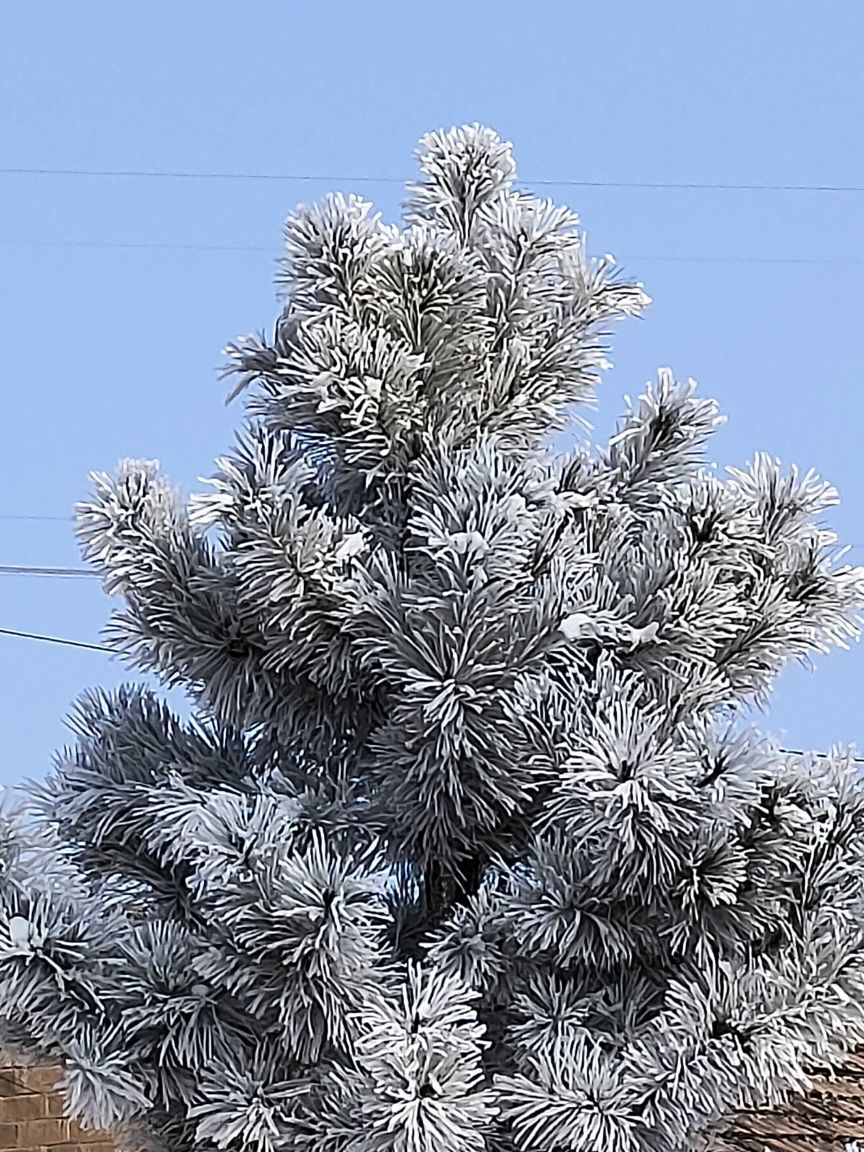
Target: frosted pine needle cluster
468 845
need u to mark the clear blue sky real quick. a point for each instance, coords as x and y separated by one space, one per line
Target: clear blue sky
111 351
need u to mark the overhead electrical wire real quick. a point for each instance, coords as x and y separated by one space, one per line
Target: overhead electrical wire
40 570
63 573
69 573
133 244
53 640
307 177
344 178
35 516
14 632
682 258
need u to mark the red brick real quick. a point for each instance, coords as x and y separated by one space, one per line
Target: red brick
47 1132
32 1113
82 1135
29 1107
84 1146
11 1078
8 1087
39 1078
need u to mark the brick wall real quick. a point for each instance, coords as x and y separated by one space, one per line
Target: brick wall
31 1113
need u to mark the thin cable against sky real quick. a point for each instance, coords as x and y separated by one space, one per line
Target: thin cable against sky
19 635
63 573
273 249
45 639
306 177
40 570
315 178
36 516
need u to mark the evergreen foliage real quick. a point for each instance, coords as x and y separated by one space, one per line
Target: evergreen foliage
469 844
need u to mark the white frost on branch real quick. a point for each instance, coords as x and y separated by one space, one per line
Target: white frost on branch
466 846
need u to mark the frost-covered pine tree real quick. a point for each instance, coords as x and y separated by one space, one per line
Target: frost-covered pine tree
468 845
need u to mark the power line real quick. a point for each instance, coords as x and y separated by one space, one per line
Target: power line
36 517
322 178
157 246
272 249
53 640
44 571
305 177
828 261
180 174
64 573
32 516
39 570
818 755
42 517
44 639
